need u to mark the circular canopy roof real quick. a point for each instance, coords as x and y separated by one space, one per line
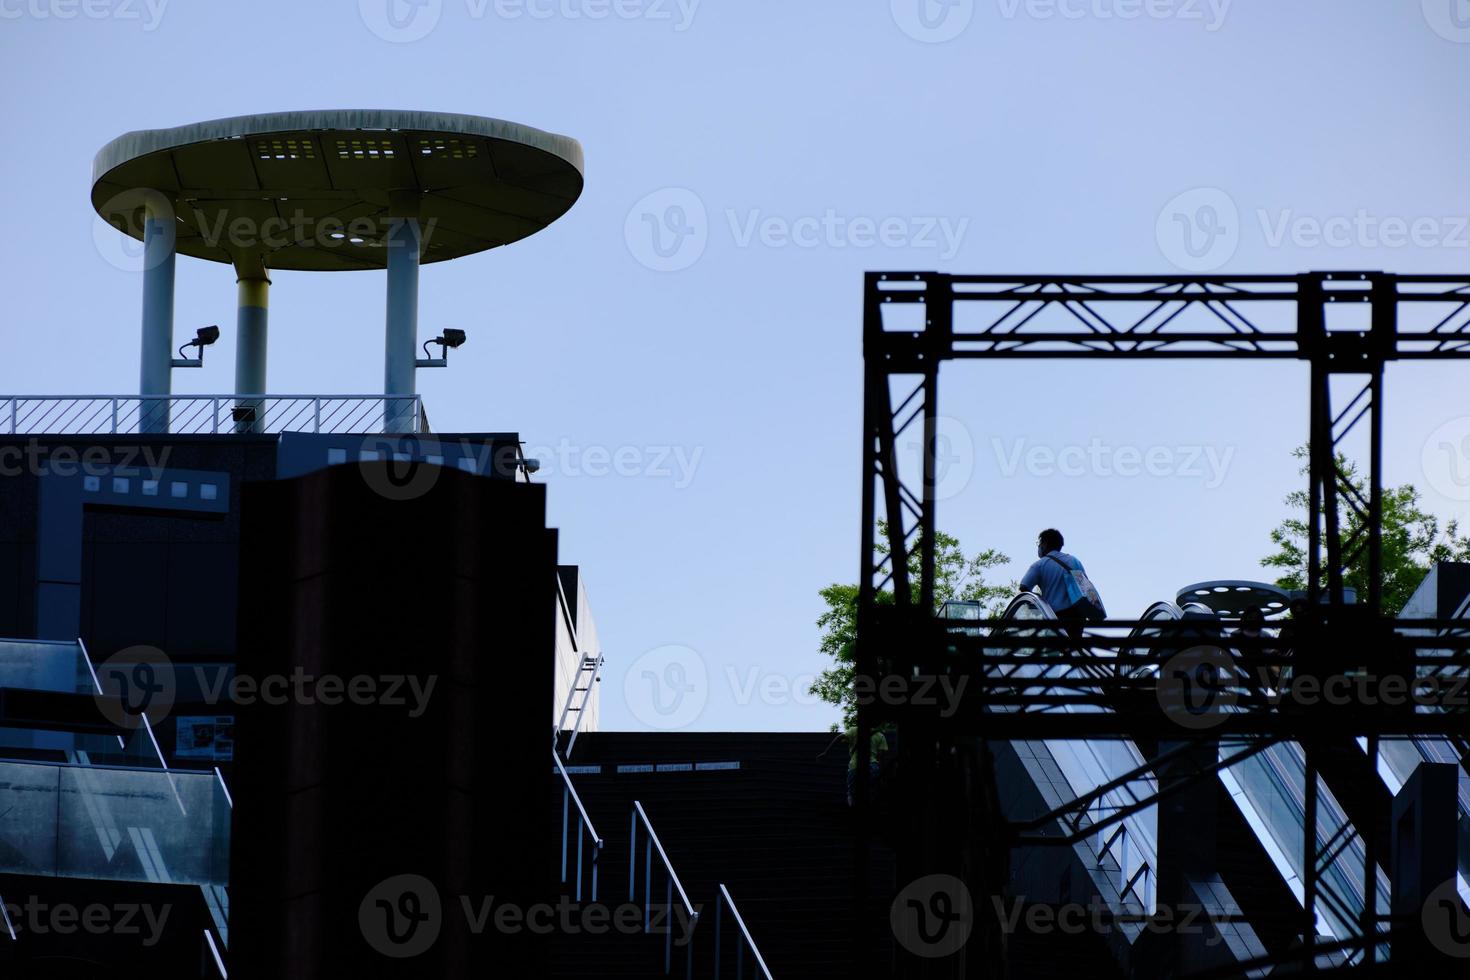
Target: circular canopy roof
315 190
1231 597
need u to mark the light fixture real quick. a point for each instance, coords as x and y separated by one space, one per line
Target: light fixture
450 338
203 337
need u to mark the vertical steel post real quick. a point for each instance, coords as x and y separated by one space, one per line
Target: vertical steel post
156 367
251 321
938 336
1309 858
581 839
400 348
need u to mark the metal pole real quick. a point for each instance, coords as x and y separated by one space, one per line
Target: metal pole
402 320
1309 858
250 344
154 375
1369 919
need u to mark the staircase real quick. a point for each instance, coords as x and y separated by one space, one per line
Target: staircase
763 814
94 809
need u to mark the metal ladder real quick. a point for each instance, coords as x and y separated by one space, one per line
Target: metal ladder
582 683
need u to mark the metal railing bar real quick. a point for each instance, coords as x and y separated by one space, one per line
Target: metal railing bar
336 407
206 413
302 409
359 411
664 857
198 410
567 781
749 940
101 406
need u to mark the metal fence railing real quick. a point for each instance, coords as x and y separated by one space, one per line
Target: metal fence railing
651 846
585 831
209 414
743 940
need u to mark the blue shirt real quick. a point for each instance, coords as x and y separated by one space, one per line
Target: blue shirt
1058 588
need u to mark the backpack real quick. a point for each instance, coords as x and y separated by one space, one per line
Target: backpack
1090 605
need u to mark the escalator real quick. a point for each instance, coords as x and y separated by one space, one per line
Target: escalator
1267 788
1258 815
1399 758
1120 860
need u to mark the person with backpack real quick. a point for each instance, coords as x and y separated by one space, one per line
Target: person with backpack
1063 583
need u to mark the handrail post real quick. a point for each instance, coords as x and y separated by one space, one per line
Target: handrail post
114 414
581 838
565 802
316 415
214 414
669 930
633 859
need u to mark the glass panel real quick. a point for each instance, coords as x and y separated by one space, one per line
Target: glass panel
37 665
120 824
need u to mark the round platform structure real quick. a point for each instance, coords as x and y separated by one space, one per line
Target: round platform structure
1231 597
317 191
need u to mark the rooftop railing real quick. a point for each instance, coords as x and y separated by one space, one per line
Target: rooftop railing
209 414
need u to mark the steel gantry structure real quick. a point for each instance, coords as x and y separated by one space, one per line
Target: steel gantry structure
1346 325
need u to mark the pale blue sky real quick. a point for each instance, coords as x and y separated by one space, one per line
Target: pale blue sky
1044 137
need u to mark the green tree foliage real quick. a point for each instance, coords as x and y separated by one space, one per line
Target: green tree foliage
1413 541
955 577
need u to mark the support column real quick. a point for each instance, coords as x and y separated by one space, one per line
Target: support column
403 323
1429 920
250 348
154 376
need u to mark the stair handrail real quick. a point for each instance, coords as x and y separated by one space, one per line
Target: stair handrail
569 795
674 883
724 899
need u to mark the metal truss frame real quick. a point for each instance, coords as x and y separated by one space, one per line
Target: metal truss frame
1346 325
